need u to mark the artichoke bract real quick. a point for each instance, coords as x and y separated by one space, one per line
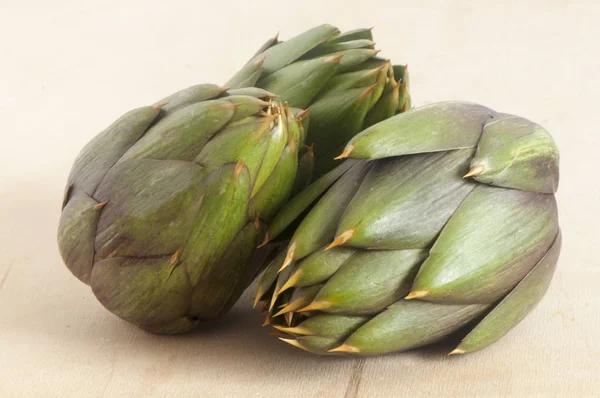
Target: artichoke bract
442 220
338 76
164 209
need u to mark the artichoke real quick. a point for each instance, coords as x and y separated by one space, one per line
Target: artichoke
442 221
338 76
164 209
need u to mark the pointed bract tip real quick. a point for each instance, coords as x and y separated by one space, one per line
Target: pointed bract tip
289 257
259 293
334 59
100 205
281 312
174 258
347 151
316 306
159 106
301 115
267 321
289 317
341 239
367 92
475 171
456 351
290 282
260 61
276 37
238 167
294 342
416 294
223 89
264 242
294 330
273 300
345 348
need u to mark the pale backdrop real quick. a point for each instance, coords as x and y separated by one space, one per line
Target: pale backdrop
68 68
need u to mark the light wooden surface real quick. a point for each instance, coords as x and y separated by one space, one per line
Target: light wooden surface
70 67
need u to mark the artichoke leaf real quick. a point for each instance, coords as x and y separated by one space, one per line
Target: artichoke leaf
437 127
515 306
104 150
490 243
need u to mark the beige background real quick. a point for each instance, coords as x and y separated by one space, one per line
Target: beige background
68 68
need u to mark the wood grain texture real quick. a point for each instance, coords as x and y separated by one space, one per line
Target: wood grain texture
71 68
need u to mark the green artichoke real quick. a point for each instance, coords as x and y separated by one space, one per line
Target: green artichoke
164 209
338 76
443 220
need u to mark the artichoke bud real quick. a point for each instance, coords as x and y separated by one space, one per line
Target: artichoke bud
165 208
337 75
403 251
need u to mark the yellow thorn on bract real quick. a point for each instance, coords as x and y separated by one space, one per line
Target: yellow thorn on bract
260 61
341 239
276 37
345 348
238 168
456 351
294 330
475 171
272 302
347 151
316 305
223 89
265 241
290 282
289 317
174 258
267 321
289 257
301 115
100 205
159 106
293 306
367 92
333 59
284 310
259 293
416 294
294 342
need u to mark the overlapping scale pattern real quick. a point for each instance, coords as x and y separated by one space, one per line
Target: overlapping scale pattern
448 221
164 209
